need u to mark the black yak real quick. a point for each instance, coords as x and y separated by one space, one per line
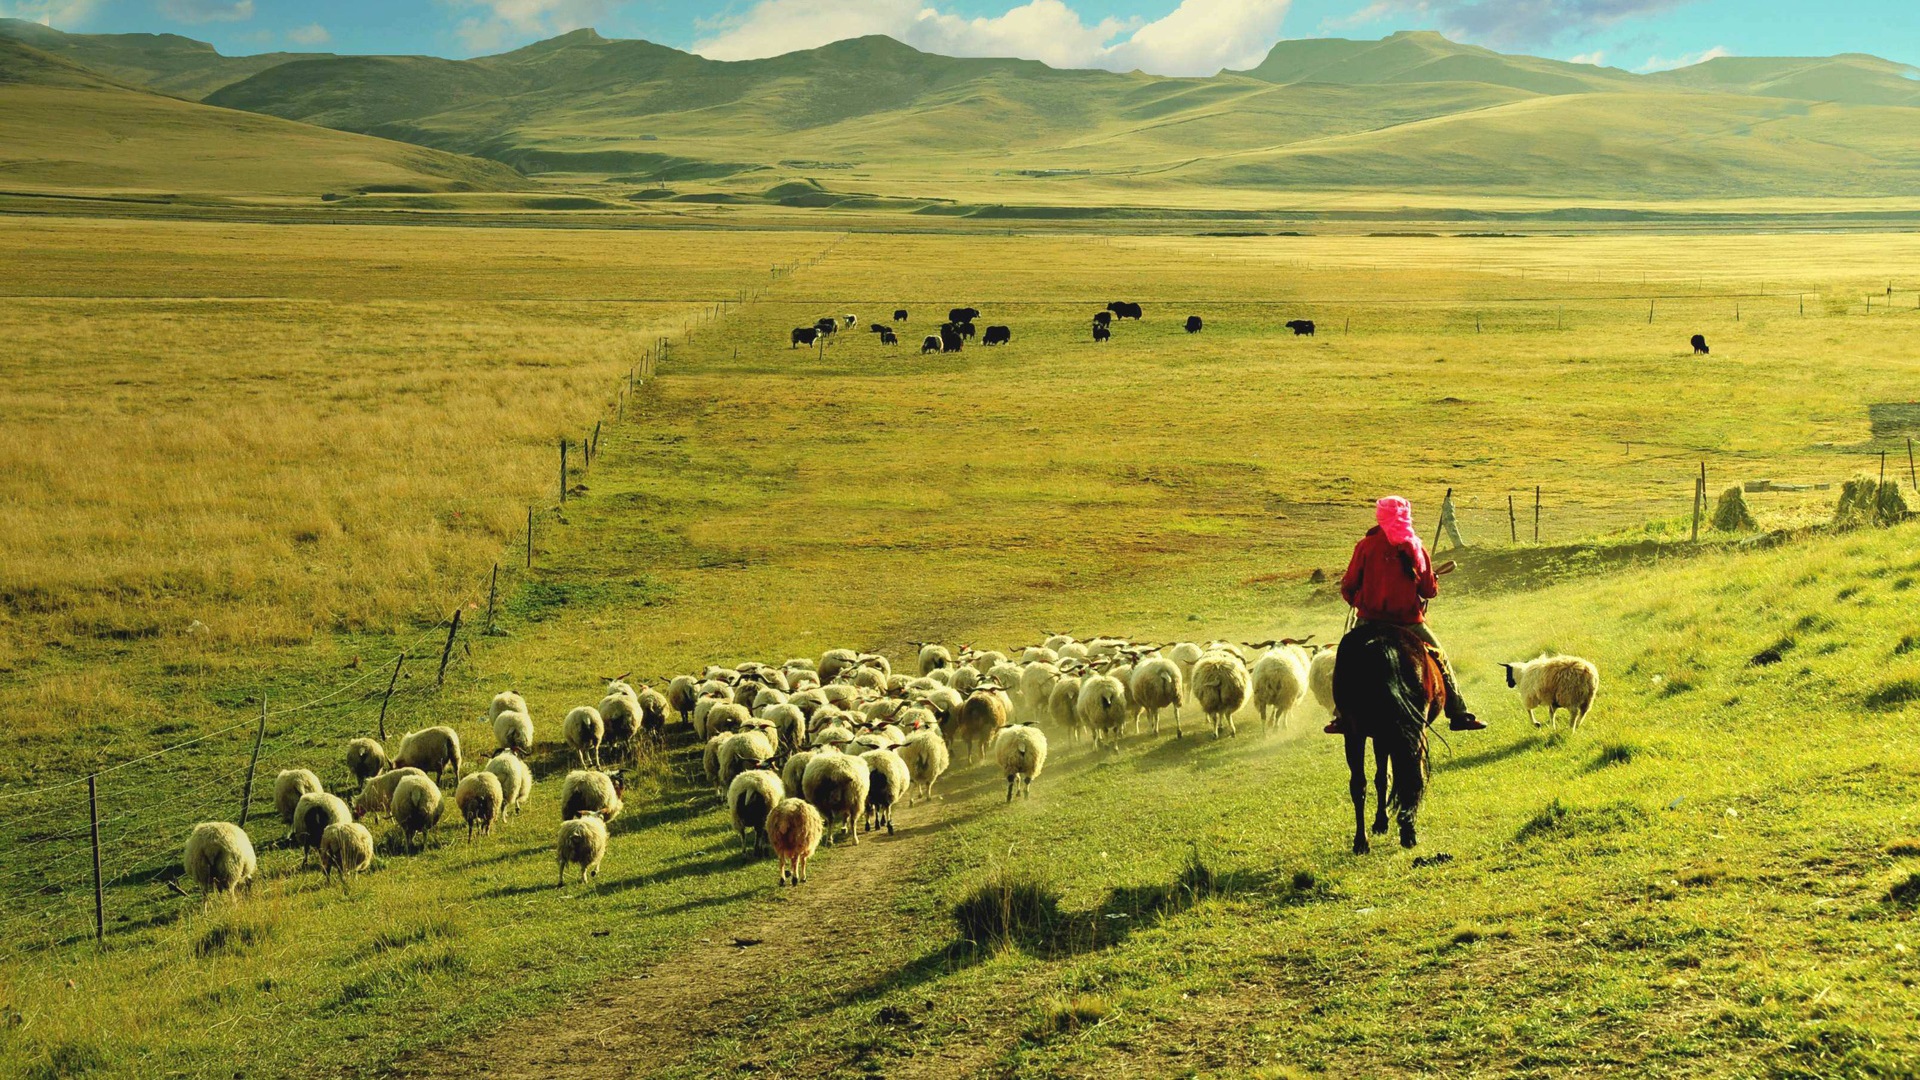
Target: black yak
997 335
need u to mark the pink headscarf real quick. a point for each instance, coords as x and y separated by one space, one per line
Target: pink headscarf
1395 516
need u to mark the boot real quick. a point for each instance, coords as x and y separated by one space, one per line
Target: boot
1337 727
1458 718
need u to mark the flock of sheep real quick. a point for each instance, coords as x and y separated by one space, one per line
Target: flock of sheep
807 750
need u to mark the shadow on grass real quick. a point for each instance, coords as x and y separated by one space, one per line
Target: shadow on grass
1443 762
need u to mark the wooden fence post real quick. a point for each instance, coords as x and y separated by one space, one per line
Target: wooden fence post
1536 513
99 897
1912 476
1699 495
563 472
391 683
529 537
1649 313
1513 523
246 789
596 436
447 653
493 584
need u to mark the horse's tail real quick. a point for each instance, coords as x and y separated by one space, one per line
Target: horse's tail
1403 729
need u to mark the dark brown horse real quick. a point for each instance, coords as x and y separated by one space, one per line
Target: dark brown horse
1388 687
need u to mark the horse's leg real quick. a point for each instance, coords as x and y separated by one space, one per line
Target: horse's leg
1380 788
1357 784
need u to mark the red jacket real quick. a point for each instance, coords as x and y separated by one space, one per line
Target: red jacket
1388 583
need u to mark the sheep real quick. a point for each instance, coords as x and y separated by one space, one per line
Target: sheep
366 759
507 701
433 750
1557 682
1102 708
516 781
1073 650
1021 750
793 829
1184 654
836 784
984 662
376 795
619 715
1006 676
1062 705
1156 684
681 694
480 798
1279 680
869 678
582 843
416 806
795 770
791 723
750 797
725 718
513 731
584 731
1102 648
934 658
346 846
653 713
966 680
980 718
766 698
916 718
833 660
1036 683
739 752
710 760
220 857
1220 686
289 786
888 782
833 734
590 791
1320 676
926 758
311 815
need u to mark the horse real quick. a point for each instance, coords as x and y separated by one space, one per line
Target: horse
1388 687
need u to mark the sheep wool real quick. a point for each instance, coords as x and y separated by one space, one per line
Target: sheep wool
513 731
836 785
376 795
888 781
1279 684
219 858
1156 684
1320 676
345 846
434 750
750 797
584 731
1556 682
480 798
1220 684
311 815
794 829
582 843
416 807
1102 708
926 758
795 770
287 789
507 701
1021 750
516 781
366 759
593 792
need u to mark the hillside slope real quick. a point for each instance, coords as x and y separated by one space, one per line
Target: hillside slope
68 129
168 63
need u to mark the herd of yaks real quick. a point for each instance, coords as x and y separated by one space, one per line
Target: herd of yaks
806 749
959 328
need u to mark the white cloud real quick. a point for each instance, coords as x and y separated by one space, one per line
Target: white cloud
201 11
64 14
310 34
1505 23
1199 37
1662 63
505 23
1597 58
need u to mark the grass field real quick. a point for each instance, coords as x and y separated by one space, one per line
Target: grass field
312 440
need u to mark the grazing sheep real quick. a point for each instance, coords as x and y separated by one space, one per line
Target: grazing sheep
888 782
984 662
220 858
836 784
416 808
587 791
619 717
794 828
516 781
726 718
1021 750
1279 681
514 731
311 815
1220 683
289 786
926 757
507 701
480 798
681 694
933 658
980 718
795 770
739 752
366 759
1036 685
1557 682
791 723
347 847
833 660
1102 708
1156 684
434 751
1062 706
965 681
584 731
1184 654
833 734
376 795
582 843
653 713
750 797
1320 676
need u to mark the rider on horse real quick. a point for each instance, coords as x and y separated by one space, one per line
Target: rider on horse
1390 581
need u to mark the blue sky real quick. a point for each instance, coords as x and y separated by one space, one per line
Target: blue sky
1166 36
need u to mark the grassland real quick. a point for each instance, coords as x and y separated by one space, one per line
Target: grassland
1603 910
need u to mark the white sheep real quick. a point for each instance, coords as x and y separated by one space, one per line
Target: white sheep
836 784
591 791
516 781
1557 682
507 701
619 715
986 661
794 828
480 799
1154 685
682 692
1102 708
1220 684
366 759
833 661
1021 750
582 843
741 751
433 750
288 786
790 723
653 712
934 658
345 846
416 807
1279 679
1036 684
926 757
795 770
311 815
219 858
1063 706
980 718
1184 654
888 781
376 795
584 731
1320 675
724 718
750 797
513 731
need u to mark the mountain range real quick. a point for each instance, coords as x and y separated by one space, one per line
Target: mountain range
870 121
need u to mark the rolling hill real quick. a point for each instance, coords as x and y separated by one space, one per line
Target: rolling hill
67 129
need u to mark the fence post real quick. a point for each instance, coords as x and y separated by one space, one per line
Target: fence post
1437 525
246 789
596 436
529 537
447 652
1878 502
99 897
1536 513
493 584
586 454
1912 476
1699 495
391 683
563 472
1513 523
1649 313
